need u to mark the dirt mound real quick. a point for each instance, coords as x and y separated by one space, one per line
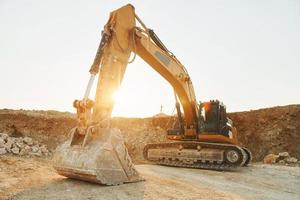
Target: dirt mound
270 130
263 131
161 114
48 126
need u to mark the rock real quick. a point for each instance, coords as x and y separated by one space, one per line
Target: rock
18 140
2 151
283 155
28 140
44 149
291 160
8 144
3 136
22 146
2 142
26 147
19 144
15 150
38 153
271 159
281 162
35 149
25 150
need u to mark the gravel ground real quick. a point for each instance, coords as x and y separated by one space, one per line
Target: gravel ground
34 178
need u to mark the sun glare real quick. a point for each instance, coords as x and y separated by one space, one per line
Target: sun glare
117 96
123 100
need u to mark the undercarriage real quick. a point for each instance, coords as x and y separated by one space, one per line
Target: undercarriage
198 155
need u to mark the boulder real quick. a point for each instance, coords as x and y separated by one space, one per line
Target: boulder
15 150
35 149
271 159
283 155
25 151
28 140
3 136
19 144
28 148
291 160
38 153
8 144
18 139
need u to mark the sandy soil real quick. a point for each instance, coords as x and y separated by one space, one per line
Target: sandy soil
32 178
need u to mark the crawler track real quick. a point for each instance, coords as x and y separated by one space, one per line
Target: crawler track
198 155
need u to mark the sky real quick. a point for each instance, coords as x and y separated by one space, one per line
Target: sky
244 53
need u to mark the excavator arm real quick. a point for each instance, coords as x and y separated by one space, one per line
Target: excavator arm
120 38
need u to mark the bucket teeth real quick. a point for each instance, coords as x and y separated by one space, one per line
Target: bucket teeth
100 156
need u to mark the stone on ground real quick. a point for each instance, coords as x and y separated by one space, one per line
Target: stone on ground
291 160
271 159
15 150
283 155
28 140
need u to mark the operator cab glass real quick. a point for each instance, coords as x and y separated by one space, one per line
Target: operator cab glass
213 114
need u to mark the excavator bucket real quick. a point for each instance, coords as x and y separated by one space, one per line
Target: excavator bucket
99 156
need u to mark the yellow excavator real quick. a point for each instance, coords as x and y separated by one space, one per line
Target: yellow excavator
204 137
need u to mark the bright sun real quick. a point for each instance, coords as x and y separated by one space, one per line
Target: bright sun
123 100
143 92
117 96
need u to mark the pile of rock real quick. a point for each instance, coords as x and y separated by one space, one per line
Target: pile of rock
283 158
22 146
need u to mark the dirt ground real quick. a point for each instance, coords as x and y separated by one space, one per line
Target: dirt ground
32 178
263 131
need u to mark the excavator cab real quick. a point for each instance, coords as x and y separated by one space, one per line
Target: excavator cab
214 118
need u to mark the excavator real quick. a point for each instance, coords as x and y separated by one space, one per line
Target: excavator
203 138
